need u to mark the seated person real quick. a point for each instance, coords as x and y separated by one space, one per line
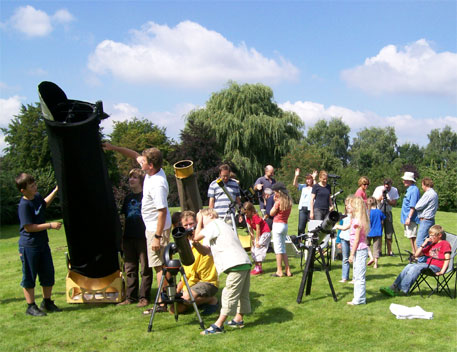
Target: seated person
438 252
201 275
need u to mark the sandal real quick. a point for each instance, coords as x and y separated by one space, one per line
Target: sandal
236 324
213 329
160 309
276 275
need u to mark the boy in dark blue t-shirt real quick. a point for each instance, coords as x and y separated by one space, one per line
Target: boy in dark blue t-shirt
33 244
375 235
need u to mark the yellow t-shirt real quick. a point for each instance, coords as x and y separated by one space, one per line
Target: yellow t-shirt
202 269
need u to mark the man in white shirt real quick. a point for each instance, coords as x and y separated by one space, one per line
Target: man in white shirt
154 208
387 197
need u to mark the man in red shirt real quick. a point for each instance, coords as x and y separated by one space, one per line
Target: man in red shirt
438 252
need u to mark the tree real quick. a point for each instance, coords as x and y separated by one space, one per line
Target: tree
333 136
373 150
442 148
138 135
411 153
307 158
250 129
27 141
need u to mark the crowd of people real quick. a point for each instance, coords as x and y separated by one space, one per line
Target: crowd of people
215 243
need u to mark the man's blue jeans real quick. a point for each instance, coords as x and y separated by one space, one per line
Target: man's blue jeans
422 234
409 275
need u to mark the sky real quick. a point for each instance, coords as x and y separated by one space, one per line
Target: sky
372 63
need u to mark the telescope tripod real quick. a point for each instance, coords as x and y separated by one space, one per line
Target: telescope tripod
307 278
394 235
171 293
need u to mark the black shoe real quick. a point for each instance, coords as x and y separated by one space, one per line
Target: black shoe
34 311
49 306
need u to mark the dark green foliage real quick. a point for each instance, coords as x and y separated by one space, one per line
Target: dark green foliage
372 148
250 130
442 148
333 136
138 135
445 185
28 142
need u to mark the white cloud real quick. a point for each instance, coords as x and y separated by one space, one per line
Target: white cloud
173 120
416 69
407 128
37 23
188 55
63 16
9 108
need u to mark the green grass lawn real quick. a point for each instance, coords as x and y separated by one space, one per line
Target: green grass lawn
277 322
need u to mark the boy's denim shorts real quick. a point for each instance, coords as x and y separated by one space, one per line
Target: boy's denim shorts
36 261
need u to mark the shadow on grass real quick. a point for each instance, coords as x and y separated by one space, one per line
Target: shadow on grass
273 315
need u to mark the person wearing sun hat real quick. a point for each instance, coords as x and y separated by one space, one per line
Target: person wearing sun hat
409 217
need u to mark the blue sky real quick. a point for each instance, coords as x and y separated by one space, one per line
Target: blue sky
373 63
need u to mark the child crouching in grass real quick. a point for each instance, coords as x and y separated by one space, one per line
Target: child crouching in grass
260 236
223 244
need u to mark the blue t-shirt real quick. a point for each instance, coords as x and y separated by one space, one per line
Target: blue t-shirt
376 219
134 225
411 197
32 212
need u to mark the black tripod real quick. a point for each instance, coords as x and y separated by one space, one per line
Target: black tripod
307 278
390 217
173 266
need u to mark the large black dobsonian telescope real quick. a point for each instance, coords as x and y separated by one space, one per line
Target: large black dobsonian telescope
90 216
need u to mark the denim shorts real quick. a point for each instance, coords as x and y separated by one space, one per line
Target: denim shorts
36 261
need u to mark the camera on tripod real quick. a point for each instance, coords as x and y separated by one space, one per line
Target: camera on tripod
318 239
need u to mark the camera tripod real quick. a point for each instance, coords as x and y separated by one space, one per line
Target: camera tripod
307 278
389 215
173 267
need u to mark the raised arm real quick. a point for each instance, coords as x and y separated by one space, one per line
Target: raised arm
297 173
129 153
51 196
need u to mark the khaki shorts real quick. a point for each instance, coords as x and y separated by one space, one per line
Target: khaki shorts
204 289
155 258
410 230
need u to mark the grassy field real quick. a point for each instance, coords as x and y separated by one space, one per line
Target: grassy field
277 323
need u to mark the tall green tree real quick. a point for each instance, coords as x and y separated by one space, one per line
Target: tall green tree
442 148
411 153
250 129
373 150
27 140
331 135
138 134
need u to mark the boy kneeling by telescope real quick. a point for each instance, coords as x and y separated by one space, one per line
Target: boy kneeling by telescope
201 275
220 241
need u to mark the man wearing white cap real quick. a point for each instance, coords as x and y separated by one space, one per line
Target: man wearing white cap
409 216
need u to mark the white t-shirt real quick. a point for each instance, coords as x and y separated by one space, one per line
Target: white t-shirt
391 195
155 193
225 245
